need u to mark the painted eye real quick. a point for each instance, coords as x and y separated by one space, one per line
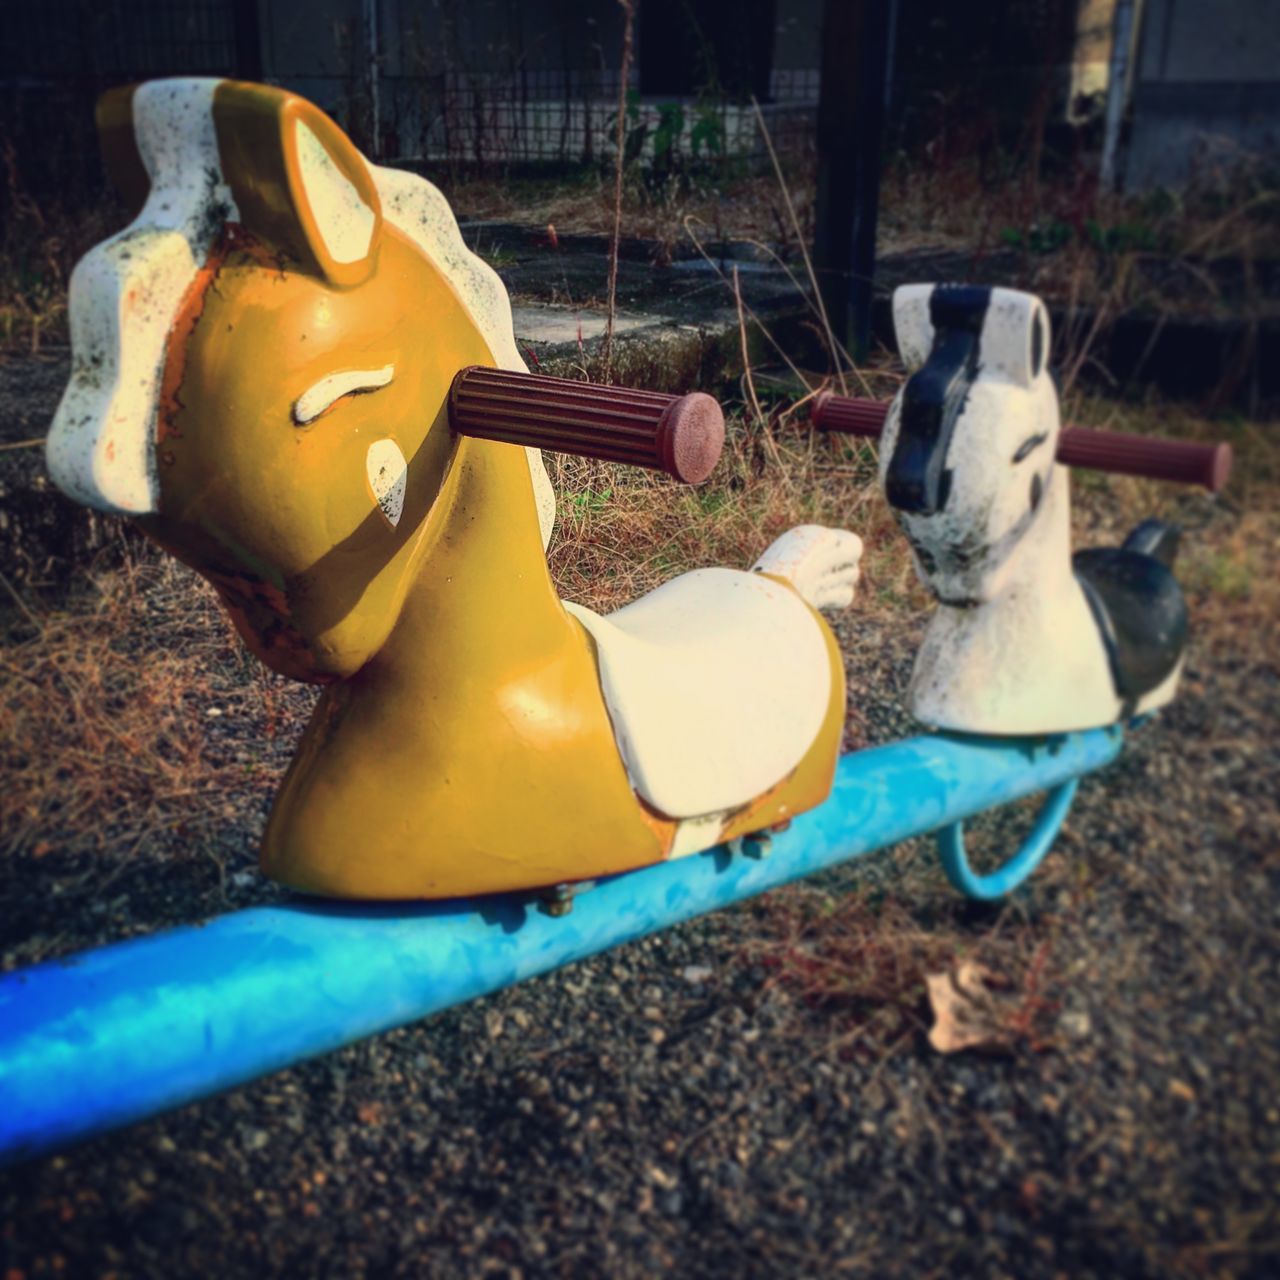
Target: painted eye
1029 446
332 387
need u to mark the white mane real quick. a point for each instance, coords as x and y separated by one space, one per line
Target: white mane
101 446
416 208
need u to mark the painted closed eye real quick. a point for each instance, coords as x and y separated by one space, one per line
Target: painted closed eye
333 387
1029 446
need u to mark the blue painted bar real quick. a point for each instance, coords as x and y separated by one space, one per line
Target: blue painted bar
118 1034
1005 879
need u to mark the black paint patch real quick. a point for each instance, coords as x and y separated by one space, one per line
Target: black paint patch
1029 446
918 480
927 561
1037 344
1140 612
1155 538
956 602
1037 491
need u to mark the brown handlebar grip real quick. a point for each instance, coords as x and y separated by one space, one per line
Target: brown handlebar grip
681 435
847 414
1179 460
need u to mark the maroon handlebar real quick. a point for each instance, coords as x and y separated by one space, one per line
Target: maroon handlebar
1180 460
681 435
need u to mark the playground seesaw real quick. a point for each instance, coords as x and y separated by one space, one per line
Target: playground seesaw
292 374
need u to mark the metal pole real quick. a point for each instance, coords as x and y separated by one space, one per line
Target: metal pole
851 109
115 1035
371 73
1117 89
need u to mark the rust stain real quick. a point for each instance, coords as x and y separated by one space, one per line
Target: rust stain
233 239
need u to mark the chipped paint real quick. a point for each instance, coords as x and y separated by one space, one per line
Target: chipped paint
345 222
388 473
123 298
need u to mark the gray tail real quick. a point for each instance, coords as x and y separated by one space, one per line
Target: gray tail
1157 539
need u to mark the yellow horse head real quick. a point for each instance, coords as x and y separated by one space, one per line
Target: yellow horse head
262 359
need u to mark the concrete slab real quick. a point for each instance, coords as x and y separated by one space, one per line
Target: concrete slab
546 323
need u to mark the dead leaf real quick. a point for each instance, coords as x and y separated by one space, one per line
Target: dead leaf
970 1010
1181 1089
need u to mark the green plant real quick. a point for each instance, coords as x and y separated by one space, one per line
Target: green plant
707 132
591 501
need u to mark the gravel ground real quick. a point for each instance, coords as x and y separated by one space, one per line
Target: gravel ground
752 1093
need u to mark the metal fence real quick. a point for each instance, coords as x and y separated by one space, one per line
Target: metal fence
503 118
56 56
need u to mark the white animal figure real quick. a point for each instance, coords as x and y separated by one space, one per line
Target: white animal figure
1026 639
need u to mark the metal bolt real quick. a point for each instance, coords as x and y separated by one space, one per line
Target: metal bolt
557 901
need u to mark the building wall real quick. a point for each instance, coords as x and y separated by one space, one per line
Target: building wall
1207 91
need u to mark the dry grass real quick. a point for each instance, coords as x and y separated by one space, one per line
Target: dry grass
131 710
1209 250
108 748
623 531
744 208
40 242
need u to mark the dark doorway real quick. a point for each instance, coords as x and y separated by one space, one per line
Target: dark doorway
722 47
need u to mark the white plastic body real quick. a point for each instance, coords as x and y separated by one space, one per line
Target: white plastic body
1013 647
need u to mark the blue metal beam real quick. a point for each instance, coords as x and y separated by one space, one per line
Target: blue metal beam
121 1033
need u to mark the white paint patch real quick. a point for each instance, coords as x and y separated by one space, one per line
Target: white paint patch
124 296
321 395
717 685
416 208
822 564
1005 351
388 472
693 835
346 223
1031 659
912 325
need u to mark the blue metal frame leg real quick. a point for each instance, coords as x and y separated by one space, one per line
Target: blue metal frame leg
955 862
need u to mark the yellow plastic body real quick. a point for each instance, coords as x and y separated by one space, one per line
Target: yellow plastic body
462 744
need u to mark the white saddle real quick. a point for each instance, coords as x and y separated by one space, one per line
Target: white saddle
717 684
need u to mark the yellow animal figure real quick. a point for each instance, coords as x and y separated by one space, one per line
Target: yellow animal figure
261 365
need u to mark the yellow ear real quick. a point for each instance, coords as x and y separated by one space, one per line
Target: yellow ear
298 181
120 155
